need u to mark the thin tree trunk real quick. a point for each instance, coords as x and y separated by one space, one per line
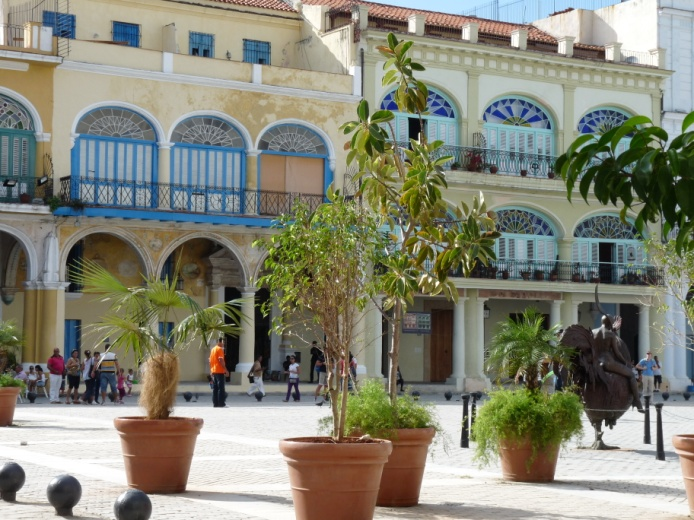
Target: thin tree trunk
394 353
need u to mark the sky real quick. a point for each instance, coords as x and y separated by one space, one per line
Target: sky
443 6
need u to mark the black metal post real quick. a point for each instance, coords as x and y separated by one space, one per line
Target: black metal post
473 410
659 449
647 421
465 434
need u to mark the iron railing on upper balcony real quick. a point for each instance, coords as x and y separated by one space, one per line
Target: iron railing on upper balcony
576 272
495 161
181 197
26 189
12 35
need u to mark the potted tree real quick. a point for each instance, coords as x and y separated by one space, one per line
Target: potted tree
9 389
157 449
315 268
526 427
409 424
425 243
10 342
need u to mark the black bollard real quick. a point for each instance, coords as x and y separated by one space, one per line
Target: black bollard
12 478
686 395
415 395
259 395
448 395
133 505
187 396
659 449
647 420
64 492
665 395
473 412
465 433
32 397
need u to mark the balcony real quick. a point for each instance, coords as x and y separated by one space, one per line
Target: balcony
488 160
179 198
23 190
575 272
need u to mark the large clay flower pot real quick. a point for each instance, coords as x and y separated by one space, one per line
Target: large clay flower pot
158 453
8 401
403 473
514 456
684 447
336 481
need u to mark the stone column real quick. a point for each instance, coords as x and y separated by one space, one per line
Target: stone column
44 320
374 343
565 253
670 339
458 376
568 128
164 175
473 97
252 183
644 330
569 312
555 313
680 349
247 338
474 353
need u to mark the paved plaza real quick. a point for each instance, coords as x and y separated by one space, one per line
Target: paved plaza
238 472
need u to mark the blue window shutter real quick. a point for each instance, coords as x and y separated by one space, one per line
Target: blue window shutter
201 44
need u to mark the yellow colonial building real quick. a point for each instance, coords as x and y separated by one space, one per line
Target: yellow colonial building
174 129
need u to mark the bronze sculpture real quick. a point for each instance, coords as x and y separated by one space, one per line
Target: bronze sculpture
601 372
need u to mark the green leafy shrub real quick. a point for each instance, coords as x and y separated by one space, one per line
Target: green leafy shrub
547 419
6 380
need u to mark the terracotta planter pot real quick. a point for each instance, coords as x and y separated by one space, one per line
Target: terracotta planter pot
8 401
514 457
158 453
684 447
403 473
336 481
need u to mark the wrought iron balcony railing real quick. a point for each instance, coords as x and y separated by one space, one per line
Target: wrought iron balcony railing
496 161
577 272
180 197
25 189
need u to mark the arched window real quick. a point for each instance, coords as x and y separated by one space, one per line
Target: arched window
115 158
293 165
17 147
524 236
207 165
609 245
518 125
441 122
600 121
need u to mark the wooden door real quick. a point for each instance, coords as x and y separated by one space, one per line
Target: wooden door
441 347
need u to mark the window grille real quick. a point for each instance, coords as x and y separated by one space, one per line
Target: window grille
201 44
63 24
126 33
255 51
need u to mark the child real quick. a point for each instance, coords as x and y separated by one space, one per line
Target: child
129 381
121 385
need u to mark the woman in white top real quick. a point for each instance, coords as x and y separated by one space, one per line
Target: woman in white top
31 379
293 371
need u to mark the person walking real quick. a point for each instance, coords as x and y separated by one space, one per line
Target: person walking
87 366
96 375
322 370
646 365
109 369
257 370
657 375
121 384
219 371
73 367
293 372
315 353
56 367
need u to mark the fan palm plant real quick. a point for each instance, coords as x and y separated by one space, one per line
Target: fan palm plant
10 343
132 319
521 347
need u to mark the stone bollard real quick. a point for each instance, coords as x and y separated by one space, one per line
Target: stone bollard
448 395
133 505
12 478
465 433
187 396
686 395
666 396
415 395
259 395
64 492
32 397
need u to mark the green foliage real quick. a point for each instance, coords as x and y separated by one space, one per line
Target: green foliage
523 345
6 380
315 269
428 239
10 336
652 178
370 411
547 419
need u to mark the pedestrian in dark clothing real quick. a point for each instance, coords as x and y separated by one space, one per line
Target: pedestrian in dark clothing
315 353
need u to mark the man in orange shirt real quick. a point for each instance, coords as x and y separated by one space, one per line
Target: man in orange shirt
219 371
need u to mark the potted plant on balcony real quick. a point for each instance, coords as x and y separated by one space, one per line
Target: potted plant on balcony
157 449
493 168
455 165
315 270
525 275
539 275
475 161
526 427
